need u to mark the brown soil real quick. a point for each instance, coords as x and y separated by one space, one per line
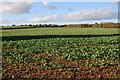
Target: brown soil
33 70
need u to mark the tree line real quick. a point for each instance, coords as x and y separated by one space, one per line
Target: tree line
96 25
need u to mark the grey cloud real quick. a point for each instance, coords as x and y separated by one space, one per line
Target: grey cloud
15 7
85 15
91 14
44 18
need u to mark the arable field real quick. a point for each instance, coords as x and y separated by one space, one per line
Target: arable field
59 31
61 53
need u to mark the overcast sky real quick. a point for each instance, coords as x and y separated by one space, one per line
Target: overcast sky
57 12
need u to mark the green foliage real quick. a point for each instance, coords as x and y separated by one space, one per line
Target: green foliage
67 48
86 48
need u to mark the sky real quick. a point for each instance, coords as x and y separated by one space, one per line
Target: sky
45 12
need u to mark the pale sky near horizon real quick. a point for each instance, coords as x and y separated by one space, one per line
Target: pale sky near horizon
57 12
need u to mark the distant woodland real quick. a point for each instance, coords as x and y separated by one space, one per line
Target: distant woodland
96 25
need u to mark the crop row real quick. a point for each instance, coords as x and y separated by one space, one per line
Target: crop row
67 48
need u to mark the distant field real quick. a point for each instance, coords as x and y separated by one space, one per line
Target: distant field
59 31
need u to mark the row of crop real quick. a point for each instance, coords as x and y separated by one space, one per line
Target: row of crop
82 52
68 48
60 42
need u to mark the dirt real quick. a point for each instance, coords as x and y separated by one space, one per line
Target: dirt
33 70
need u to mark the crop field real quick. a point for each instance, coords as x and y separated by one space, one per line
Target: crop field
59 31
61 53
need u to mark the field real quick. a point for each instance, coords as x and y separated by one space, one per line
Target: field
61 53
59 31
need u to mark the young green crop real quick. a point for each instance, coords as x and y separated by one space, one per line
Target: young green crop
67 48
73 54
